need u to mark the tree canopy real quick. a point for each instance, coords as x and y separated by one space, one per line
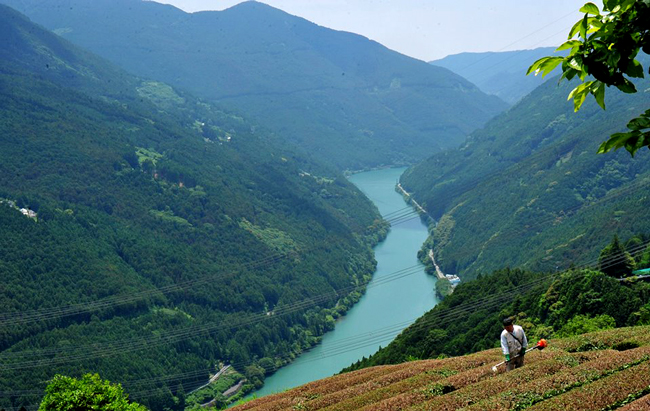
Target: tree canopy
603 49
88 393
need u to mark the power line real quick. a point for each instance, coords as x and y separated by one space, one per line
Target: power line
101 350
373 337
177 336
386 333
50 313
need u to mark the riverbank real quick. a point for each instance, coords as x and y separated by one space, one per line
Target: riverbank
446 282
399 292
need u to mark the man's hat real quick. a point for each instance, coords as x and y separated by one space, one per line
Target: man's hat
507 321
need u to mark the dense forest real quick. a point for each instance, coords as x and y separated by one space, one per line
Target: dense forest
328 91
159 236
531 180
546 305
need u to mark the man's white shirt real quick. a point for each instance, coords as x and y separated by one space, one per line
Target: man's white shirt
509 341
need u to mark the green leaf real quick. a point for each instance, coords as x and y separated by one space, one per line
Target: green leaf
639 123
597 24
626 87
544 65
550 64
613 58
634 69
576 63
575 29
535 66
579 94
626 5
615 141
584 26
632 140
634 143
599 46
599 93
570 74
569 45
590 8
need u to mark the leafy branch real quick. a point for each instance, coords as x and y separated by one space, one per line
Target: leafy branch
604 46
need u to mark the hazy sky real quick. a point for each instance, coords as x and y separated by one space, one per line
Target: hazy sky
432 29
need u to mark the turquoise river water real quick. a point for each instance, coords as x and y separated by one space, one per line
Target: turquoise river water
399 292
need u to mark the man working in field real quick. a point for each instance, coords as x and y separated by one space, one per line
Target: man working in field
513 343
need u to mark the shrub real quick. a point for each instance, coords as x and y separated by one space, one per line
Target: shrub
89 393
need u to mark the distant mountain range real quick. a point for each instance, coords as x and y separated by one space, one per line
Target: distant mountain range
346 99
501 74
147 235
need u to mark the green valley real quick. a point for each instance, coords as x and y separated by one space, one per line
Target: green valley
191 202
167 234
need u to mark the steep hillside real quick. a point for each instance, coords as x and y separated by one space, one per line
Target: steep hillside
529 189
502 74
604 370
148 236
546 304
348 100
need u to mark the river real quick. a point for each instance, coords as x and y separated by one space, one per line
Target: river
399 292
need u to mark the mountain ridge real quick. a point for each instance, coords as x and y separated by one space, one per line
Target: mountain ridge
500 73
339 91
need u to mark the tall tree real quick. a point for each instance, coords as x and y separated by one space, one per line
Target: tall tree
603 48
615 261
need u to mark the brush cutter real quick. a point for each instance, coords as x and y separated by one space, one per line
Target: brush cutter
540 346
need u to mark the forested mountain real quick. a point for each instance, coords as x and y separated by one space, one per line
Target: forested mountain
502 74
529 190
348 100
147 235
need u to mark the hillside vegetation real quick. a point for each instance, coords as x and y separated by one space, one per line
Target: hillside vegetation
595 371
348 100
546 305
160 235
529 190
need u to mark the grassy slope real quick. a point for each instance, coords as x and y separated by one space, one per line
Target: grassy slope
586 372
341 96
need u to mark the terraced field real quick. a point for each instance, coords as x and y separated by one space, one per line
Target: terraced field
606 370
